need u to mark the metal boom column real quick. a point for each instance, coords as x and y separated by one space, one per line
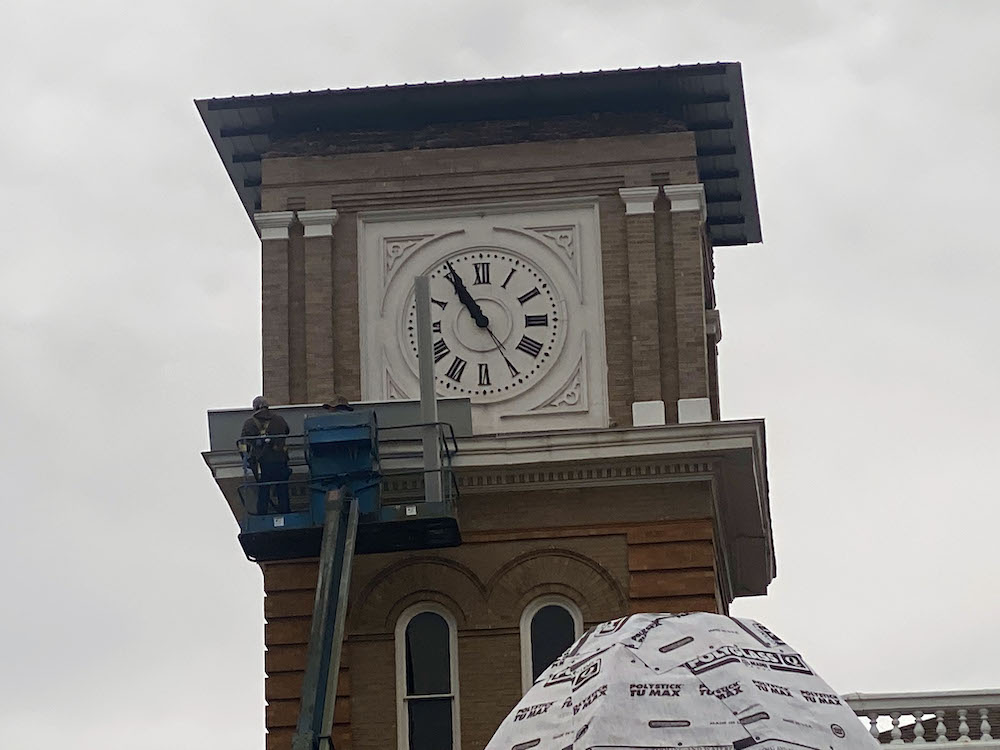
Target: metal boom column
326 636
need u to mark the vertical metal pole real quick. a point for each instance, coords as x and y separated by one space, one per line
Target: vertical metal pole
428 399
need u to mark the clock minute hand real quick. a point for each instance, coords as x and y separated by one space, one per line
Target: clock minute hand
465 298
503 353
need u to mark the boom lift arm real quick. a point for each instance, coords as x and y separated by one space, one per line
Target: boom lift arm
326 636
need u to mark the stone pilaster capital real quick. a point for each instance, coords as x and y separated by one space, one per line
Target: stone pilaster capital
639 200
689 197
273 225
318 223
713 326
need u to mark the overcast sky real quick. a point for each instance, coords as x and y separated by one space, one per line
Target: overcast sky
863 328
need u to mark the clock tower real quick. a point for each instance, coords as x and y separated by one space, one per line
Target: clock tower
568 225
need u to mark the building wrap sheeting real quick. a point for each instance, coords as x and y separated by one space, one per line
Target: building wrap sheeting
696 681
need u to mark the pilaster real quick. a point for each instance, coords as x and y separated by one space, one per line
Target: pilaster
273 227
643 317
317 232
687 217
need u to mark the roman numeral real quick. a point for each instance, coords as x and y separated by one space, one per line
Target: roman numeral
439 303
482 273
440 350
529 346
456 369
509 276
529 295
484 374
536 320
436 326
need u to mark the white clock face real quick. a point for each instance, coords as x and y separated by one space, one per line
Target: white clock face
517 310
497 321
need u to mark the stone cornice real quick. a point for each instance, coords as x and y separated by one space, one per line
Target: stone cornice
639 200
318 223
565 476
686 198
274 225
730 455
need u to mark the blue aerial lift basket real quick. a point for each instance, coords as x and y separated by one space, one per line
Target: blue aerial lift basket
341 450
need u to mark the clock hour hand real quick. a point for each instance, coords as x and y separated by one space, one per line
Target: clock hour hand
465 298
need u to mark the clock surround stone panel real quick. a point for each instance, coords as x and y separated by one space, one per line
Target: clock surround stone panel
529 347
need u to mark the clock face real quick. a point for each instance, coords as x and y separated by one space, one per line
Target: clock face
497 323
517 310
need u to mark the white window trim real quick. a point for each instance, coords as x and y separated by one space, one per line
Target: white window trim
529 612
402 716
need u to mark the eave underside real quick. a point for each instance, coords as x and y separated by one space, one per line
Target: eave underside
705 99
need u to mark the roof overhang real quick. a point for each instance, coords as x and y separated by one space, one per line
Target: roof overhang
708 99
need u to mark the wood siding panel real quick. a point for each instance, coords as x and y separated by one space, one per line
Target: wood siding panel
658 583
670 555
288 658
672 567
289 604
285 713
281 738
292 576
283 686
288 685
674 604
287 630
676 531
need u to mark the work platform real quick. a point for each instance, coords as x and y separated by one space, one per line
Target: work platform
332 449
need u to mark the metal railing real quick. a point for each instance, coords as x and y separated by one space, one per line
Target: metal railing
402 484
960 716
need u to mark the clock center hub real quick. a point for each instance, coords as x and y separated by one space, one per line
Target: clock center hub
478 339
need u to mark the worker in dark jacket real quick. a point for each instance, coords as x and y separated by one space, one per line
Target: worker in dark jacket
262 442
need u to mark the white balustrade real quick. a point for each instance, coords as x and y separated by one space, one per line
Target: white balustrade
908 718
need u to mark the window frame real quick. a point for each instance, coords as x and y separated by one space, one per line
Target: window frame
533 608
402 714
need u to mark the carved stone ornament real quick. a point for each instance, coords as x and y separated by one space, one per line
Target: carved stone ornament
563 237
393 248
392 391
571 395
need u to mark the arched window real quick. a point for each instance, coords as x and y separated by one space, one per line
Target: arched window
427 679
549 625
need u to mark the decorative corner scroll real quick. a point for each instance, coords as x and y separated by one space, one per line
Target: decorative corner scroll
572 395
563 237
392 390
394 248
562 240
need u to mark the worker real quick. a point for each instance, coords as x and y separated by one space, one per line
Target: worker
263 444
